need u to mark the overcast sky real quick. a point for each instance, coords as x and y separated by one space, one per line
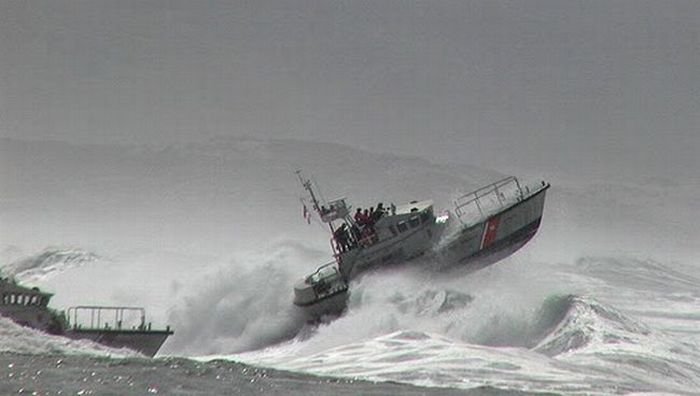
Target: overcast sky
605 87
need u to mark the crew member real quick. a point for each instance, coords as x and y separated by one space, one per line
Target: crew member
341 238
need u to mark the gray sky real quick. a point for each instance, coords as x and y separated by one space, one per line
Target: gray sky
600 87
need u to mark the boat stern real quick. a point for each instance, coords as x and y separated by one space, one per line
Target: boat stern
322 293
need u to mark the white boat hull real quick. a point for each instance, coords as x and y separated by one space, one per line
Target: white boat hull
495 238
330 306
494 222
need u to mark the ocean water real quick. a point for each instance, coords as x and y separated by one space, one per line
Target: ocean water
209 238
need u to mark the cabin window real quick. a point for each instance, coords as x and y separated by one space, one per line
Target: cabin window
414 221
35 300
402 226
5 299
393 230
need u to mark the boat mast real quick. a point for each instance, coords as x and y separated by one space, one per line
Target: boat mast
309 187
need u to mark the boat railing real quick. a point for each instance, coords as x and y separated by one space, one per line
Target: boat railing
355 243
336 209
488 200
107 317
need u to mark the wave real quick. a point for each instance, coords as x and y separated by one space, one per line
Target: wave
18 339
409 324
431 302
573 344
242 305
583 321
644 275
245 305
51 261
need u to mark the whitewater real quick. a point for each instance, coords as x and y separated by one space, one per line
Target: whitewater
210 239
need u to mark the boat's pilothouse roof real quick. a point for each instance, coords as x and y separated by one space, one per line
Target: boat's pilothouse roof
396 214
339 210
413 207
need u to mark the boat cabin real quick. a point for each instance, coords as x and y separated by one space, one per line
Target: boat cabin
409 216
368 238
395 234
28 306
16 295
382 225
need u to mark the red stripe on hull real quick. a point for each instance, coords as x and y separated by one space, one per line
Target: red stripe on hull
490 232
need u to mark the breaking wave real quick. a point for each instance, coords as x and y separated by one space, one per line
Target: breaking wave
496 327
584 322
18 339
244 304
49 262
572 344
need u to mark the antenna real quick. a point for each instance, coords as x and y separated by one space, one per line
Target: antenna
308 187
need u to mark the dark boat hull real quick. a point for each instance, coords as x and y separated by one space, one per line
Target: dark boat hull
146 342
331 306
29 307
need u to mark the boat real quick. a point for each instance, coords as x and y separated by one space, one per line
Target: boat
485 226
113 326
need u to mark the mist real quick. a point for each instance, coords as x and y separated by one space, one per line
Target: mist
156 144
210 238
